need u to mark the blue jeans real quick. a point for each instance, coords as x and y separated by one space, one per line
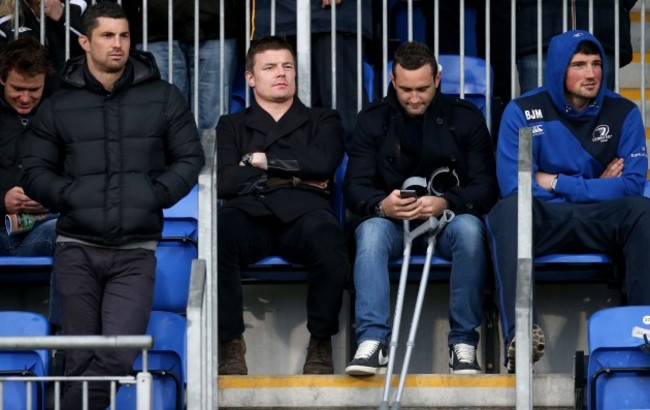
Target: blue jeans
527 70
40 241
209 66
379 240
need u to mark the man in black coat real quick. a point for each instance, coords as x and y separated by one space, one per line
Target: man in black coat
275 166
24 67
417 132
321 49
109 151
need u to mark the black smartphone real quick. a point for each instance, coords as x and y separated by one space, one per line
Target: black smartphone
407 193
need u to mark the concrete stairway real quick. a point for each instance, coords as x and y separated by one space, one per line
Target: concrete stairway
421 391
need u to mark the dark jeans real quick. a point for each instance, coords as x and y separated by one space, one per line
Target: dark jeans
620 228
314 240
106 292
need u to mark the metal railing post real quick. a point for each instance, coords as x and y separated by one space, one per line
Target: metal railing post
523 304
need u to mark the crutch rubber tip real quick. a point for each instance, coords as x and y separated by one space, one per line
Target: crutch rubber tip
383 406
396 406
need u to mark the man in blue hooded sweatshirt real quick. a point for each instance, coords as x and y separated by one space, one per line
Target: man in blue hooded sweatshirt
589 165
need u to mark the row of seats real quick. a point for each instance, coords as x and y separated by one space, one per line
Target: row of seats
579 268
167 325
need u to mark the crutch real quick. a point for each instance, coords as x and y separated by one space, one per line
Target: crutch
431 227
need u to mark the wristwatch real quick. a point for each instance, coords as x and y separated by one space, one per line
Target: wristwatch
247 159
554 184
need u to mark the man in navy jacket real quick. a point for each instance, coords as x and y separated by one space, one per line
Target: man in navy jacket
589 165
418 132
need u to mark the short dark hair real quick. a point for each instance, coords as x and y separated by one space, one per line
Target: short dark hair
267 43
104 9
587 47
413 55
26 56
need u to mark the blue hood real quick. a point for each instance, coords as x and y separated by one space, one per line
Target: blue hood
560 51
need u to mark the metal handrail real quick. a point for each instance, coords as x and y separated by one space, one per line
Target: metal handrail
523 304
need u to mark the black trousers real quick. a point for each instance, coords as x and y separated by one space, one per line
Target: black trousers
315 240
619 228
106 292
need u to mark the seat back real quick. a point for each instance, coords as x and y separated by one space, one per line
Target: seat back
167 363
618 372
475 87
23 362
175 252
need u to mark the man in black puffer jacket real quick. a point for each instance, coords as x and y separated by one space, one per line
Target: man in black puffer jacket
109 152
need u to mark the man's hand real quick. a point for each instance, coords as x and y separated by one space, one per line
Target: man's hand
258 161
16 201
432 206
614 169
401 208
53 9
327 3
545 180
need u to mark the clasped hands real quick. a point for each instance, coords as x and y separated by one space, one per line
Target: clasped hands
410 209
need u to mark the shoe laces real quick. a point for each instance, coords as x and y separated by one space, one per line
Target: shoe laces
319 350
464 352
366 349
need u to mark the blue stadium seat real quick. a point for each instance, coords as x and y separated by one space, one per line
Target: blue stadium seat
25 269
618 373
175 252
23 362
167 364
475 87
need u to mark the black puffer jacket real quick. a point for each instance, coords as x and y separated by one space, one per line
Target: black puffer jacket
110 162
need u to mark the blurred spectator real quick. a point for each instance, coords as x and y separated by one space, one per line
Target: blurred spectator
183 48
578 18
449 43
321 49
30 24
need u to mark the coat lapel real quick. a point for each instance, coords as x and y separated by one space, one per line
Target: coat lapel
261 121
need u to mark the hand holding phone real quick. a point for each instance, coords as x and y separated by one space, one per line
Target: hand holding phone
408 193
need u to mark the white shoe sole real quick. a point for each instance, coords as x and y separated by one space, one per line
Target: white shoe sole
357 370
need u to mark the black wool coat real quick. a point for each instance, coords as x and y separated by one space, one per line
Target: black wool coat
306 143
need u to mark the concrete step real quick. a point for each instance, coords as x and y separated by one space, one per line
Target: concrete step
343 392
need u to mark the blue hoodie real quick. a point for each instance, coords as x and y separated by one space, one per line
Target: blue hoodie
576 145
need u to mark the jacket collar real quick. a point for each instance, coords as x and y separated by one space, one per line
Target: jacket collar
260 120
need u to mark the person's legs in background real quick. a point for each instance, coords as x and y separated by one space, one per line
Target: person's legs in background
180 75
209 79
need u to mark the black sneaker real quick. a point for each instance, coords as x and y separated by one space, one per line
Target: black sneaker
538 348
462 359
371 359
